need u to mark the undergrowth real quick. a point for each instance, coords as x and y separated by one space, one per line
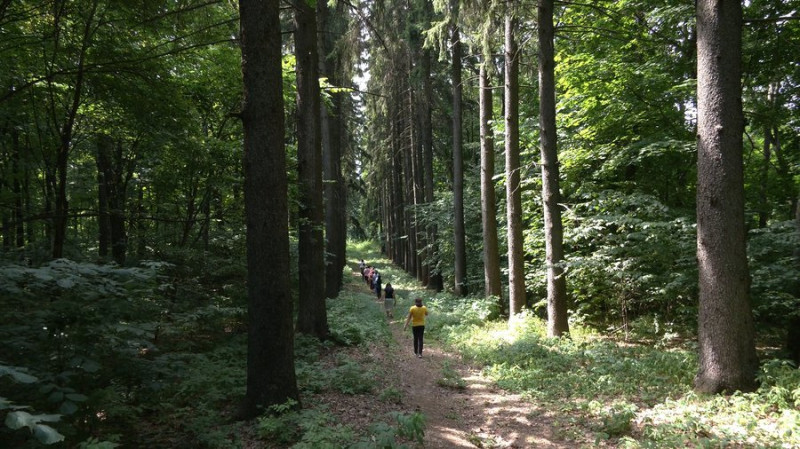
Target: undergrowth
637 395
154 356
100 356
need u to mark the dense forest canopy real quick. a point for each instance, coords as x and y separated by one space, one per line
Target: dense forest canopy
122 182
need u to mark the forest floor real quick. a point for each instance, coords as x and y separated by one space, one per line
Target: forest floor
473 413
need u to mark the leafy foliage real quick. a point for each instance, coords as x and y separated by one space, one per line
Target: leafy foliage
775 272
105 351
630 256
450 378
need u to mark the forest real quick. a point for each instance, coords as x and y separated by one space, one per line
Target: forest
598 200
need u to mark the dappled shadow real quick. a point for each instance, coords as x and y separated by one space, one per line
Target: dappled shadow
479 415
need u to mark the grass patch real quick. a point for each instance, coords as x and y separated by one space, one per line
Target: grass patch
450 378
636 395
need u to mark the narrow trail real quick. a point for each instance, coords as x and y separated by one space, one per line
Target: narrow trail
477 415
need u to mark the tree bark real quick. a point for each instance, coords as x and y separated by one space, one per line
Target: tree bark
65 136
728 359
312 318
763 185
491 254
332 127
434 277
119 176
418 195
103 159
399 244
271 376
409 165
516 262
459 232
793 329
557 323
20 197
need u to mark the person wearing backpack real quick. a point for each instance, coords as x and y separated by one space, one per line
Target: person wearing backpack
388 300
376 284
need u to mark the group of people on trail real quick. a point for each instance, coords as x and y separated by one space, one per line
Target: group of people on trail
416 314
372 278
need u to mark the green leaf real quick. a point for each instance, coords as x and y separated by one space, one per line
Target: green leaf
17 420
43 275
65 283
77 397
18 376
47 435
68 408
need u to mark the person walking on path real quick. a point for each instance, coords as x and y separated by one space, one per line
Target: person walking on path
368 277
388 300
416 316
376 284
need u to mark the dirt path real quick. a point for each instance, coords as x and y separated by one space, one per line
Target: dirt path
477 415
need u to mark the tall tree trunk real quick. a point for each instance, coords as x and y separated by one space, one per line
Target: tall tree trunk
408 169
434 280
516 262
312 317
763 199
103 162
491 254
459 232
793 329
6 216
19 192
332 127
398 201
728 360
557 323
271 376
419 235
138 227
30 234
65 135
117 202
192 190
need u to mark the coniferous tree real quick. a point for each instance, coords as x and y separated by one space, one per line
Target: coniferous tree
271 376
459 232
491 255
434 277
311 311
728 360
516 251
333 127
551 194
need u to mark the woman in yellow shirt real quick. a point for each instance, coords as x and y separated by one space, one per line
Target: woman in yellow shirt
416 316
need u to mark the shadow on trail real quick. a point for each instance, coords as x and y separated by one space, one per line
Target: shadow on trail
463 409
